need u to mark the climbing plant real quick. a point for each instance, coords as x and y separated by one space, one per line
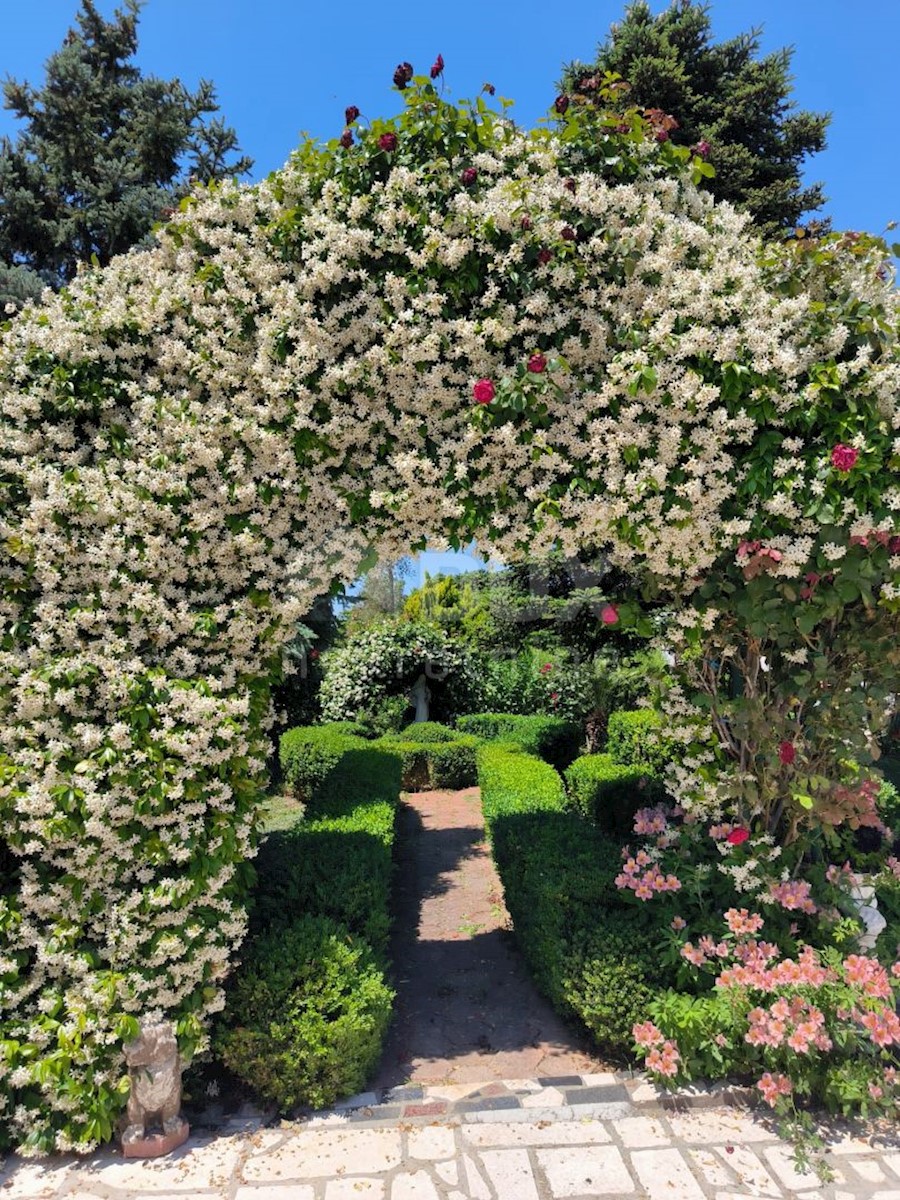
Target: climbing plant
434 327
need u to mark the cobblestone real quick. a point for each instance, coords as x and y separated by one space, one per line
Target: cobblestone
548 1153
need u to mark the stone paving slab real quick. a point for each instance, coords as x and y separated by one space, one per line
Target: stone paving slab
565 1152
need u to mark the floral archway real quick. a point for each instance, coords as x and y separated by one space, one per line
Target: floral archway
435 328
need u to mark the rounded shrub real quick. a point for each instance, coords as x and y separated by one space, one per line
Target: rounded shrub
306 1015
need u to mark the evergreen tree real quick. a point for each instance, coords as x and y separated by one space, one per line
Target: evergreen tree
723 94
104 151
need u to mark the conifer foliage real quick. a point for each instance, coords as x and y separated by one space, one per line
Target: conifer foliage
722 94
104 151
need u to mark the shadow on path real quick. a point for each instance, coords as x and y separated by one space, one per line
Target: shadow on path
466 1010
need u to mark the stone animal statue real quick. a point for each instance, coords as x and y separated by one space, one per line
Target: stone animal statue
155 1068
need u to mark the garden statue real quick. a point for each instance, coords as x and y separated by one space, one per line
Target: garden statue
154 1066
419 697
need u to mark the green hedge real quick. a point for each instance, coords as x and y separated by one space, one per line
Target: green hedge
558 873
308 1013
551 738
309 754
609 793
632 739
337 860
435 764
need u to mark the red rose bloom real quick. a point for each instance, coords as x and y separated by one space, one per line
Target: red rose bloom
469 175
537 364
388 141
609 614
546 667
350 114
437 67
347 139
702 149
544 255
561 103
567 233
787 753
403 75
662 135
844 457
737 836
484 391
526 223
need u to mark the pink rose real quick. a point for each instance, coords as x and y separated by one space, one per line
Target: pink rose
609 614
388 141
537 364
484 391
844 457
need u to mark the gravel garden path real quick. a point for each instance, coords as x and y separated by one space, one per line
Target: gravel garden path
466 1008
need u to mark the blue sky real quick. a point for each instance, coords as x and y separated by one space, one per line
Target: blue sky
286 66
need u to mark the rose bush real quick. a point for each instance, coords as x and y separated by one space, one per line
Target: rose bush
202 438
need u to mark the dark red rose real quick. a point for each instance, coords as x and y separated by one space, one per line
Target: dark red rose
388 141
314 653
484 391
437 67
737 836
787 753
537 364
469 175
561 103
544 255
403 75
569 185
350 114
567 233
347 139
489 88
662 135
623 127
526 223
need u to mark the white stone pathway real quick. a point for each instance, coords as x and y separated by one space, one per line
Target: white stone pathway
717 1153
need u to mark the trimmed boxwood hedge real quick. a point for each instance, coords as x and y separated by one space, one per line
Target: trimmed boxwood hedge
609 793
308 1013
632 738
550 738
589 953
433 763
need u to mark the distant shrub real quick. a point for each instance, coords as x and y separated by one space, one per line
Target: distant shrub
443 758
551 738
609 793
306 1015
634 738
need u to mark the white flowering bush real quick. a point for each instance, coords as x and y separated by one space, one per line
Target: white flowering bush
439 327
386 660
